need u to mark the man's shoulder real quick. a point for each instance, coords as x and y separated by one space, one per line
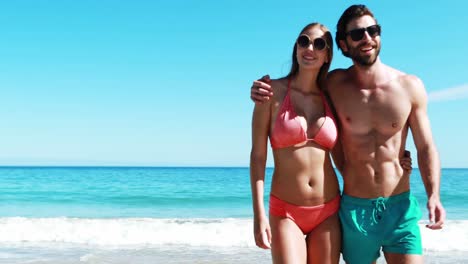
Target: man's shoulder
337 74
411 80
336 79
413 85
406 79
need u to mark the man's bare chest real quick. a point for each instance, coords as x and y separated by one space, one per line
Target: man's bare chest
378 109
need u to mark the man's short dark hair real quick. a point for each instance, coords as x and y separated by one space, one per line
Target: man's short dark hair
352 12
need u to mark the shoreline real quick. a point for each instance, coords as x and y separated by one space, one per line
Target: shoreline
63 254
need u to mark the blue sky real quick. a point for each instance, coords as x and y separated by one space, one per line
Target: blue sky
167 83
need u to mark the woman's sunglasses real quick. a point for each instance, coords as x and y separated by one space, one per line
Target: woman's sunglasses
358 33
304 42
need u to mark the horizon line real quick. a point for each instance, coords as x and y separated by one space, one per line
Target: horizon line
152 166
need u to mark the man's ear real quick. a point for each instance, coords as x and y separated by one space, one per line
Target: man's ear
343 46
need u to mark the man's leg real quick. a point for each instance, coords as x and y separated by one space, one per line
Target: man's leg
394 258
360 236
404 239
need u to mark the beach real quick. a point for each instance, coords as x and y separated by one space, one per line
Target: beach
170 241
171 256
145 215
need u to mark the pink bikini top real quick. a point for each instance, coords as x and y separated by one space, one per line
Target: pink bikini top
289 131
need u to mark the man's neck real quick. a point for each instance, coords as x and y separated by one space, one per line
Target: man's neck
372 75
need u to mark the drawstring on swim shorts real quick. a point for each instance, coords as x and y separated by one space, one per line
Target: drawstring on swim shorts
379 208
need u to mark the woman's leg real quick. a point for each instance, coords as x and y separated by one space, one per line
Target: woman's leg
324 242
287 241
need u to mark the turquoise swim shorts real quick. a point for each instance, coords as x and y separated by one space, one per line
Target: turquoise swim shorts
387 223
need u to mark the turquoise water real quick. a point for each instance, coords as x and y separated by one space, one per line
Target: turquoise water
165 215
124 192
114 192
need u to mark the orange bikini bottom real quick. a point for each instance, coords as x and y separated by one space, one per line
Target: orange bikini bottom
305 217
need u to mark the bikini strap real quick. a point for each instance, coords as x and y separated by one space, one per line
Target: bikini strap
287 99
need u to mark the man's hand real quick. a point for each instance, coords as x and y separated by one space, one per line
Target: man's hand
436 213
261 90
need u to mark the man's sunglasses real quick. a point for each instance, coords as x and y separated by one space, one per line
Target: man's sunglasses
358 33
304 42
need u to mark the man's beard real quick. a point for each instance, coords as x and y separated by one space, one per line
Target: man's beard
354 54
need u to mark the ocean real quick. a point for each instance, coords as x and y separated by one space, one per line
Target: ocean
52 215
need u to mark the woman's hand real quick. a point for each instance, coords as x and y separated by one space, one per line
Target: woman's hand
406 162
262 233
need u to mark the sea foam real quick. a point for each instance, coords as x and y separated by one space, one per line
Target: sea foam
154 232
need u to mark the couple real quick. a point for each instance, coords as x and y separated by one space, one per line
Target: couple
361 116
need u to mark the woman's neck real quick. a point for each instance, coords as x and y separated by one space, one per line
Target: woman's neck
305 82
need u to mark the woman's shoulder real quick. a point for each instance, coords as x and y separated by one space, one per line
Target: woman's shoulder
279 87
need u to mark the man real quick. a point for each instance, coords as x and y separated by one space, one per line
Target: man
376 105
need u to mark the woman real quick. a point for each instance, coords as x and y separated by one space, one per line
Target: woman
304 196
